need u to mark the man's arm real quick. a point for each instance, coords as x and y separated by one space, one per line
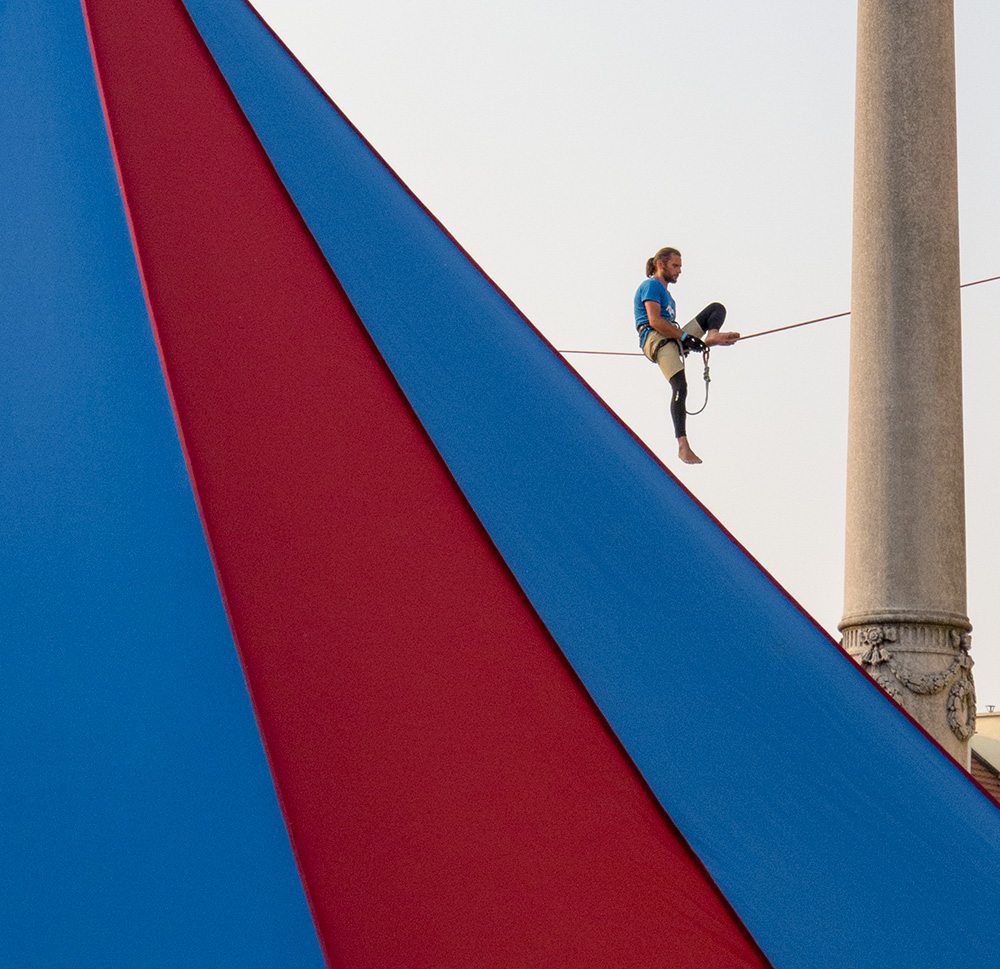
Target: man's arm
658 323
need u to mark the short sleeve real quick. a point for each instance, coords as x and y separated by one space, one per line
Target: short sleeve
651 288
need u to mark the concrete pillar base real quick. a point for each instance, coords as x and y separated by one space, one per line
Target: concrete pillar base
925 667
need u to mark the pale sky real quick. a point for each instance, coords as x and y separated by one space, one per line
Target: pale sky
562 143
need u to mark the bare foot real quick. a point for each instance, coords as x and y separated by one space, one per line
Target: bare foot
685 453
715 338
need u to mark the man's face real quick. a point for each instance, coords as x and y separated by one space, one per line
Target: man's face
672 268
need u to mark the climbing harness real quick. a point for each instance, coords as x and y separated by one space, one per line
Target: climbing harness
706 374
695 344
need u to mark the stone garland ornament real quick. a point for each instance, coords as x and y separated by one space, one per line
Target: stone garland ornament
883 667
876 657
962 698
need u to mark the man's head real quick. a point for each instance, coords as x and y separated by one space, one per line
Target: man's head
668 263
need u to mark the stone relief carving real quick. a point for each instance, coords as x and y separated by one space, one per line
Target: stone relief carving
873 651
875 657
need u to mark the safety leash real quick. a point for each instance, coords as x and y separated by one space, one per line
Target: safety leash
708 380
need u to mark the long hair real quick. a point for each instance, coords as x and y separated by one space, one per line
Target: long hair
661 255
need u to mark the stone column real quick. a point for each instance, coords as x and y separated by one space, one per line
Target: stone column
905 603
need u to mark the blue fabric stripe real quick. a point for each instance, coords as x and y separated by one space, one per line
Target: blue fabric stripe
139 825
831 823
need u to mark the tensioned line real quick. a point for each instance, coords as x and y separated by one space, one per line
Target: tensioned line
750 336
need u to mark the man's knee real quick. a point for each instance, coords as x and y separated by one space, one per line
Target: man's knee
712 317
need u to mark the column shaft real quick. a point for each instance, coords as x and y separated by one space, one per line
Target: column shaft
905 591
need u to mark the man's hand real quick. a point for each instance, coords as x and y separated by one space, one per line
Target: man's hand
690 343
718 338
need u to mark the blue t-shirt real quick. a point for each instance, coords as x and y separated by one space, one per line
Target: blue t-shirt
652 288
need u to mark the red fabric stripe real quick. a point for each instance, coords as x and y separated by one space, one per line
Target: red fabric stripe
453 796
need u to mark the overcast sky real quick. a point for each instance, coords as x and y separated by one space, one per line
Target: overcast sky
562 143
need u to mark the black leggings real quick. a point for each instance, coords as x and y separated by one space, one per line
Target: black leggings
710 318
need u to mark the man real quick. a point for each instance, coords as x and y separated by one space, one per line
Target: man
666 343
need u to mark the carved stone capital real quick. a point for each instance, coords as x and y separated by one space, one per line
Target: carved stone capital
917 663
